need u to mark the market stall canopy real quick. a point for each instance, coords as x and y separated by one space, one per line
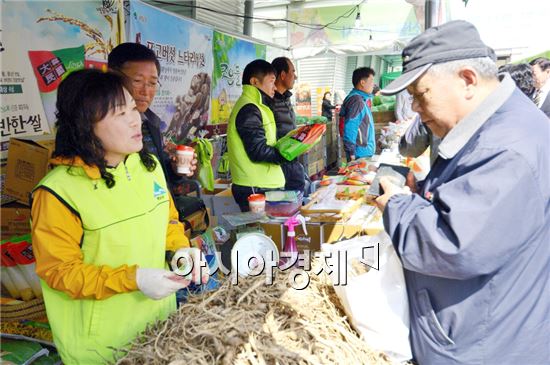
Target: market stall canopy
349 27
370 47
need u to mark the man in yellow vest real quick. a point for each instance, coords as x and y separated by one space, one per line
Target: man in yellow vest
254 162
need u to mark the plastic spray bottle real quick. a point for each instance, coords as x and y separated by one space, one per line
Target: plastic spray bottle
290 244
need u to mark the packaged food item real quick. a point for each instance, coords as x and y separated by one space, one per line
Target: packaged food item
23 288
300 140
336 179
20 250
9 284
347 194
21 352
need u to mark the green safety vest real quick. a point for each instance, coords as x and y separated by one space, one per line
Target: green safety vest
244 171
124 225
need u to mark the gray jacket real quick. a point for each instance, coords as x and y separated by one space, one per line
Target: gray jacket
475 240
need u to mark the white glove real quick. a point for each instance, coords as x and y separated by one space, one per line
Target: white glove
159 283
187 263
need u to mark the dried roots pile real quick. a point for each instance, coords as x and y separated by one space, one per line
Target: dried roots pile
255 323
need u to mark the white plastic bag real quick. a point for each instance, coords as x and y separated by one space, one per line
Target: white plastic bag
375 301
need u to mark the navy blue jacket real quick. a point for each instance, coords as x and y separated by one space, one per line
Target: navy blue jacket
475 243
152 122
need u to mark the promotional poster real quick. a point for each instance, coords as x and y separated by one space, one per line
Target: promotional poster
184 50
231 55
41 43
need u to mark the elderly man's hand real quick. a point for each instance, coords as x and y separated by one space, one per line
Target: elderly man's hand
192 169
390 189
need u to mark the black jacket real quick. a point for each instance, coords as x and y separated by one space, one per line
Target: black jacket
249 125
284 114
285 118
152 122
327 109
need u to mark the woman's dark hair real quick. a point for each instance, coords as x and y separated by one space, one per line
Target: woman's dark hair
84 98
325 95
522 74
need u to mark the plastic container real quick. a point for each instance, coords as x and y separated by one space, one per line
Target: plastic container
256 203
282 208
184 156
290 243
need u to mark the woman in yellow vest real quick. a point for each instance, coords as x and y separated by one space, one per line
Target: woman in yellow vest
102 221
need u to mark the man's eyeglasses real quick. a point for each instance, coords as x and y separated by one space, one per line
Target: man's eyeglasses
421 96
140 84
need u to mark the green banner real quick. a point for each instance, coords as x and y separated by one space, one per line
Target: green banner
231 55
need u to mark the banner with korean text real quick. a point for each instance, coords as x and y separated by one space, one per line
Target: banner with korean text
48 39
184 50
231 55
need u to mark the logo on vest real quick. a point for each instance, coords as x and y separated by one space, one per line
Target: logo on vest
158 191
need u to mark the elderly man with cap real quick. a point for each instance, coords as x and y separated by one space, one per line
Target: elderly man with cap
474 238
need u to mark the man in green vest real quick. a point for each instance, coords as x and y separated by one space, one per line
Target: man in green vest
254 162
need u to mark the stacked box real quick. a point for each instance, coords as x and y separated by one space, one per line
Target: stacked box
15 220
332 143
384 117
317 152
314 167
28 163
315 159
317 234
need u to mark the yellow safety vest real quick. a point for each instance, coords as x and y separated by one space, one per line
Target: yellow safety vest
125 225
244 171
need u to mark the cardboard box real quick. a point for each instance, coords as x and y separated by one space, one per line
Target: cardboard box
5 198
384 117
275 231
15 220
375 225
27 164
319 233
334 232
314 167
312 241
207 196
224 203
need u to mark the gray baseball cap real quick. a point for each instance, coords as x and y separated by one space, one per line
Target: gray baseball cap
451 41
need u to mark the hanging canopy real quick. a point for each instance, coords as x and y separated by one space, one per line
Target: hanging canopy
373 27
